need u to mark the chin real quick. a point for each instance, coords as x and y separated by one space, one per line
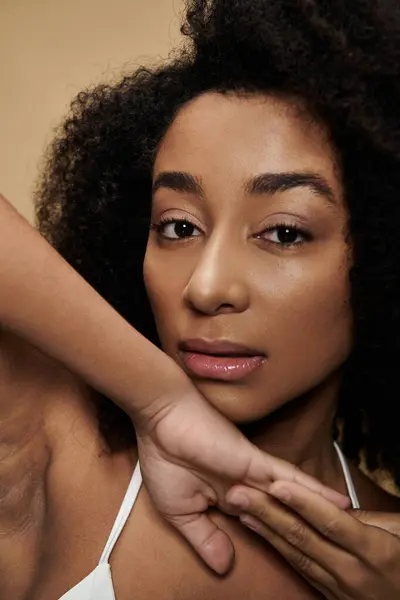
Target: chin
236 403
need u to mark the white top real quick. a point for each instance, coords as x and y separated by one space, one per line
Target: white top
98 584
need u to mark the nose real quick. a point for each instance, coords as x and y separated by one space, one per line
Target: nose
218 282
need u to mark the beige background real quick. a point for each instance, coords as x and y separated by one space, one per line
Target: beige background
51 49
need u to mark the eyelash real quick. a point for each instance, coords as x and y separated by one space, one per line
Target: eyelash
158 227
306 235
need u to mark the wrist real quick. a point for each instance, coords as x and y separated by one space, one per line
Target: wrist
172 386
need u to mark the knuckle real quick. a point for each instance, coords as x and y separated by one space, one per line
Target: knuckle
260 507
296 535
302 562
330 529
261 512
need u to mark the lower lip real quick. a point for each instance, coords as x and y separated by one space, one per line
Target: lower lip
224 368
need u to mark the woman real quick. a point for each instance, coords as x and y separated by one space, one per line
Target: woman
265 183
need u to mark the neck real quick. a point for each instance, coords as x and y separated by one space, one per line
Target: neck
302 433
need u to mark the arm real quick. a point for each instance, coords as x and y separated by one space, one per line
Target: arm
48 303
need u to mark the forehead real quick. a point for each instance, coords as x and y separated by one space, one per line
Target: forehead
245 135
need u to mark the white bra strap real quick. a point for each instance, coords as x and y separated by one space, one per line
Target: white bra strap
351 490
123 514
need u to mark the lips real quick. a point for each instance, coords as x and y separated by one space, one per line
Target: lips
220 359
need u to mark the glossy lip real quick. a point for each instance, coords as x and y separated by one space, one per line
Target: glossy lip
218 348
220 360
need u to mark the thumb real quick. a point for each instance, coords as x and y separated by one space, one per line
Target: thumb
389 522
209 541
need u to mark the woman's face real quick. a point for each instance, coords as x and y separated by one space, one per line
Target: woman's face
248 247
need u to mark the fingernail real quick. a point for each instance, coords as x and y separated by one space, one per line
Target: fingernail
339 499
250 522
282 494
239 500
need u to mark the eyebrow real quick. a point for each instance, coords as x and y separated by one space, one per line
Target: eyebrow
266 183
179 182
271 183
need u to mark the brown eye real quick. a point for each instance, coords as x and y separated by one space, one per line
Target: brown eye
177 229
285 235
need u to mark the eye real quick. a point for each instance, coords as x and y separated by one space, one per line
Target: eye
285 235
175 229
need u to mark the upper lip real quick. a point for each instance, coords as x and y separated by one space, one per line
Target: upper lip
218 347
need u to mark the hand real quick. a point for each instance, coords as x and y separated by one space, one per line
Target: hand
191 456
351 555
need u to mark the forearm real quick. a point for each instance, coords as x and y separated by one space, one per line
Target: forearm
48 303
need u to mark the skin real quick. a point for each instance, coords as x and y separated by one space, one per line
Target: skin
55 468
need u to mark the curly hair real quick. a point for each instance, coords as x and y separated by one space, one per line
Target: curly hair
343 59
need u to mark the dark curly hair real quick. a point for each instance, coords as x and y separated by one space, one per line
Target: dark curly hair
343 58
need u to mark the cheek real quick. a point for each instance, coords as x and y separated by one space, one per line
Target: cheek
316 300
311 328
325 300
164 289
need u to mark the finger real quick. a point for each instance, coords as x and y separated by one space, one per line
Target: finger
209 541
281 470
389 522
316 575
334 524
292 529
